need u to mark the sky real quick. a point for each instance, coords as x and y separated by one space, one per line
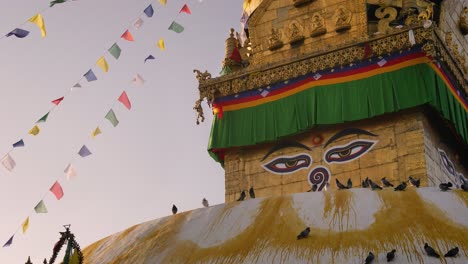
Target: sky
155 157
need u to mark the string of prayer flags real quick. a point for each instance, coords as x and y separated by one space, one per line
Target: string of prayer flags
150 57
90 76
163 2
127 36
44 118
115 51
123 98
9 242
149 11
39 21
112 118
8 162
18 32
70 171
161 44
138 23
84 151
18 144
40 208
176 27
25 225
34 131
58 100
102 63
55 2
57 190
138 80
185 9
96 132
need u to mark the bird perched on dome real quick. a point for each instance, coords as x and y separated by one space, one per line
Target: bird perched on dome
430 251
252 192
452 253
386 183
205 202
174 209
242 196
304 233
391 255
445 186
401 187
370 258
415 182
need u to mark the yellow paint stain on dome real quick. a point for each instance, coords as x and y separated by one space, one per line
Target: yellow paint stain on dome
462 196
338 206
405 222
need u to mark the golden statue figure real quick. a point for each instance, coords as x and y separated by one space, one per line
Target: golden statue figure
295 32
318 25
275 39
464 21
343 19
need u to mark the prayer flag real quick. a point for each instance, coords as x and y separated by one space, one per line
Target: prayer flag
115 51
264 93
20 143
70 171
127 35
57 190
382 62
163 2
411 37
39 21
176 27
34 131
9 242
8 162
367 50
25 225
77 85
149 11
40 208
90 76
18 32
185 9
235 55
96 132
112 118
43 119
124 100
102 63
317 76
138 23
57 101
84 151
150 57
161 44
138 80
54 2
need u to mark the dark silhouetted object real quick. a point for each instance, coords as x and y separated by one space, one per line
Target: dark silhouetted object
251 192
464 187
242 196
386 183
369 258
365 183
339 185
401 187
391 255
452 253
29 261
304 233
313 189
445 186
174 209
205 202
415 182
374 186
430 251
349 184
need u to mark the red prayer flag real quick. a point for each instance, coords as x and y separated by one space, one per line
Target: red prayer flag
57 101
56 189
185 9
235 56
124 100
127 35
367 50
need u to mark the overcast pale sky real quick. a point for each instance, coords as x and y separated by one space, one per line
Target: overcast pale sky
155 157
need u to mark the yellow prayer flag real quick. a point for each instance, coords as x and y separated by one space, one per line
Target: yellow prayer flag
102 63
25 225
163 2
35 130
96 132
39 21
161 44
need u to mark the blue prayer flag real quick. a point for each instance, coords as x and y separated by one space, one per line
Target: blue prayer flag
9 242
84 151
18 32
20 143
150 57
149 11
90 76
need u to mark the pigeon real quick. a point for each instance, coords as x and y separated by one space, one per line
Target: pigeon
452 253
369 258
374 186
464 186
430 251
349 184
445 186
391 255
365 183
205 202
251 192
415 182
313 189
401 187
386 183
339 185
304 233
242 196
174 209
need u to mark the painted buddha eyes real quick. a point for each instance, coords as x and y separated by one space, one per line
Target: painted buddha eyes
348 152
286 165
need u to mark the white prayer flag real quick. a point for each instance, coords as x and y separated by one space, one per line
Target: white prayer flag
317 76
138 80
412 40
264 93
70 171
138 23
382 62
8 162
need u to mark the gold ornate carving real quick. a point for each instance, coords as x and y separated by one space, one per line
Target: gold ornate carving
343 19
386 15
428 13
296 32
202 76
275 40
464 21
448 38
317 27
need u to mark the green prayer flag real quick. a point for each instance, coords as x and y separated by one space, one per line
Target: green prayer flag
40 208
44 118
176 27
115 51
52 3
225 70
112 118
